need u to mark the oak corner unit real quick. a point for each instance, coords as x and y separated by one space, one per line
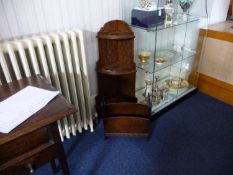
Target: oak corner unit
116 102
116 68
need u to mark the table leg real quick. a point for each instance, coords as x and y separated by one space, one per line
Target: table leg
54 167
61 152
63 163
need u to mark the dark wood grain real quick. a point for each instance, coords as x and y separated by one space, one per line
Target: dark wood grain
57 109
36 141
116 102
115 67
126 126
24 144
127 109
115 30
129 119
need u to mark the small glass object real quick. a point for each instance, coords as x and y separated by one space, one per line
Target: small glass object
156 91
160 60
165 93
148 89
179 48
156 81
176 81
169 12
185 5
156 99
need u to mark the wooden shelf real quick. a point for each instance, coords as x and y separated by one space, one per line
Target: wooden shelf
115 72
177 21
115 69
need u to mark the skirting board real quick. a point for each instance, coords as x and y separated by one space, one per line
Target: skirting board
216 88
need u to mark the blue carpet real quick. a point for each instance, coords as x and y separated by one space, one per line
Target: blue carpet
193 138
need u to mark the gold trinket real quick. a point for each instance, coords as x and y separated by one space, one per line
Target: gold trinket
144 56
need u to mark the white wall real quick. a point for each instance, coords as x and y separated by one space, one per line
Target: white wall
219 11
26 17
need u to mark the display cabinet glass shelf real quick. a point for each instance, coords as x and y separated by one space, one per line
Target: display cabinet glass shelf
165 47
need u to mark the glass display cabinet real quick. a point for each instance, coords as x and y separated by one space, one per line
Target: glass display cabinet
167 36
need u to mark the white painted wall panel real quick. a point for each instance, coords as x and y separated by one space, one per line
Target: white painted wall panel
39 15
9 11
4 26
219 11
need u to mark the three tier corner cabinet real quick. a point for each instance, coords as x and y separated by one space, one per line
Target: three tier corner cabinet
116 68
116 102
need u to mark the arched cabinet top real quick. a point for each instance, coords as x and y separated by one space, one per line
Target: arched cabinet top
116 30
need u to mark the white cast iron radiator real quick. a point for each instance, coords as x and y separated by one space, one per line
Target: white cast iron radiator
60 57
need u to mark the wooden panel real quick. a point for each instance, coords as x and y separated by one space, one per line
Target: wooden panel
126 126
220 35
221 31
130 119
216 88
127 109
30 157
23 144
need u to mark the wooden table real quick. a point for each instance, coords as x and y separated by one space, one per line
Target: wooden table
36 141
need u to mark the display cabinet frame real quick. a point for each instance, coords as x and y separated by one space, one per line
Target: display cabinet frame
171 71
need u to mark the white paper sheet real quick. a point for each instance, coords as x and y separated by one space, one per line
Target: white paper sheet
20 106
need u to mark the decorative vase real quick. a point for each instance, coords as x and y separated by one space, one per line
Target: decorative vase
185 5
